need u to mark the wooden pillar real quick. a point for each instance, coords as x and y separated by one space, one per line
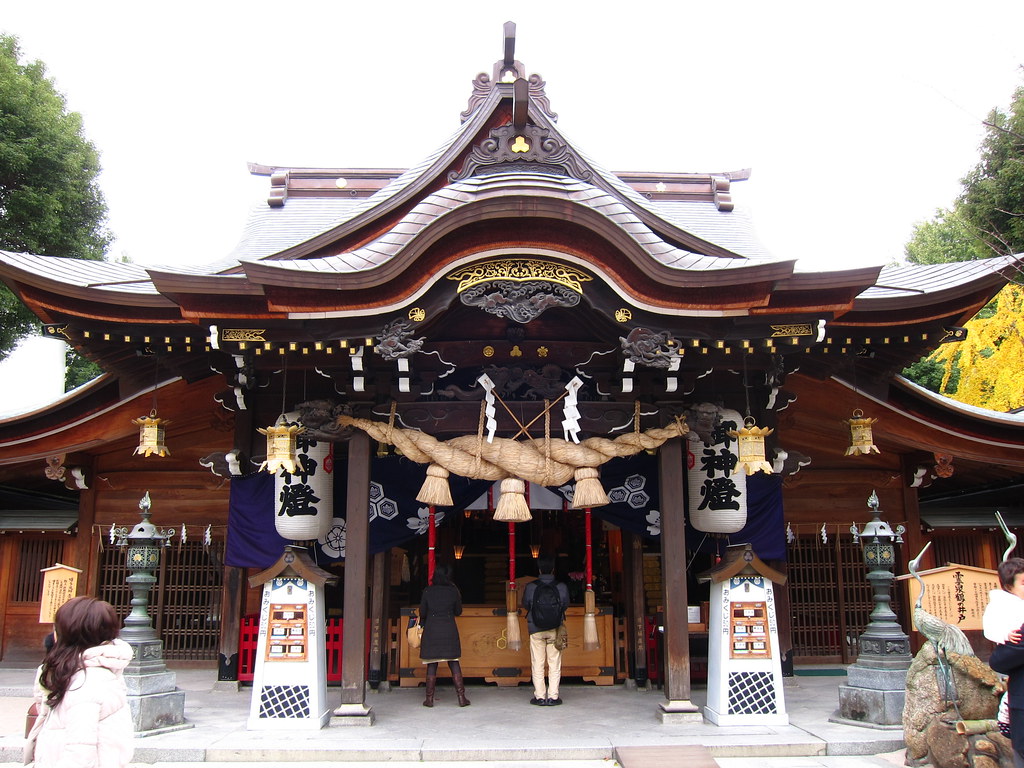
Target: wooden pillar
677 706
636 608
234 585
232 595
378 619
353 709
86 552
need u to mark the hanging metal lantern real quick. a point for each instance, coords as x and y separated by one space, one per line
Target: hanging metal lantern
751 447
861 439
151 435
281 446
460 550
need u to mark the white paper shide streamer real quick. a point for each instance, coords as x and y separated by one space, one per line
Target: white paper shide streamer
571 411
489 410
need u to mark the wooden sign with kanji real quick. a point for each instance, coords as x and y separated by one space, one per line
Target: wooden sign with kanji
60 584
957 594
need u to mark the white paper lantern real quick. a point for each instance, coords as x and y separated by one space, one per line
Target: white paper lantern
304 500
716 488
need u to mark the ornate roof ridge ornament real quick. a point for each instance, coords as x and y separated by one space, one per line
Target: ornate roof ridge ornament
508 70
530 148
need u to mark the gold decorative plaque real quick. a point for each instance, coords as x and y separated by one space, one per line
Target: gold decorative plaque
417 315
795 329
520 270
242 334
623 315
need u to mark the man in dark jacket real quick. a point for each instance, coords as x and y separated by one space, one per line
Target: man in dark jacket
542 638
1008 659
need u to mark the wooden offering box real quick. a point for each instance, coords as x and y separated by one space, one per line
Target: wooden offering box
484 634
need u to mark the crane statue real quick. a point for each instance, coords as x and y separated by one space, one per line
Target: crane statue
944 636
1011 538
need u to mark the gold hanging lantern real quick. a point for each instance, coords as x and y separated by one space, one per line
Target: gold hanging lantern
460 550
861 439
281 446
751 447
151 435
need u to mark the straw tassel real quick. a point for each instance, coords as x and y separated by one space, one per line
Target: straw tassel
591 642
512 506
589 491
515 638
512 635
590 638
435 488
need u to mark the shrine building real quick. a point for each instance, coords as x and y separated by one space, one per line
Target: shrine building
503 351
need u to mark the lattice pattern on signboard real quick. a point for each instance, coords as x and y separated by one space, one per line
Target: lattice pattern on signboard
751 693
284 701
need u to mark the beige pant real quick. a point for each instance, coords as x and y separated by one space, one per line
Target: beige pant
542 647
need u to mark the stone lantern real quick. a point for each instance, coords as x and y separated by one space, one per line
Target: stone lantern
157 705
876 683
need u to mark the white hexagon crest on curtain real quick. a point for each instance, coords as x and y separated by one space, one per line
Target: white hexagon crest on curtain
380 505
631 492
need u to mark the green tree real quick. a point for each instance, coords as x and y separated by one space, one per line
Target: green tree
947 237
992 201
987 219
50 201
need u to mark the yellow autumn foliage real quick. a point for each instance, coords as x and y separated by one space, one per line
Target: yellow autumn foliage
987 368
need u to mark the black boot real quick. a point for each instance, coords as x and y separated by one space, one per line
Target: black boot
460 686
431 685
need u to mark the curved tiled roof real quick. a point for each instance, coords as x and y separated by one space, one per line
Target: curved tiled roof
914 284
435 207
998 417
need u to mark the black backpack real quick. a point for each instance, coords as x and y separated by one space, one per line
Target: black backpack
546 607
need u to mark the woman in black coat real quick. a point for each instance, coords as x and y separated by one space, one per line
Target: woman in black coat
1008 659
440 604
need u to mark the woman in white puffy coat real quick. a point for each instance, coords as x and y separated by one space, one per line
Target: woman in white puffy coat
84 718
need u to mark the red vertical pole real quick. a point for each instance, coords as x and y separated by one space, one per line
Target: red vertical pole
431 544
590 554
511 556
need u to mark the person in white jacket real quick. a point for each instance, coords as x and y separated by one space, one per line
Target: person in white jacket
84 717
1001 622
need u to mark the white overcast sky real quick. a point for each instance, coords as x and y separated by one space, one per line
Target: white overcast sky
858 119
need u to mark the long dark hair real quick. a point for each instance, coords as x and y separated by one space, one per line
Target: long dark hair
442 576
81 623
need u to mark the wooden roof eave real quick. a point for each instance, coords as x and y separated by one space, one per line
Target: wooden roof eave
933 428
83 423
55 309
957 312
990 277
22 282
179 284
860 278
285 274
